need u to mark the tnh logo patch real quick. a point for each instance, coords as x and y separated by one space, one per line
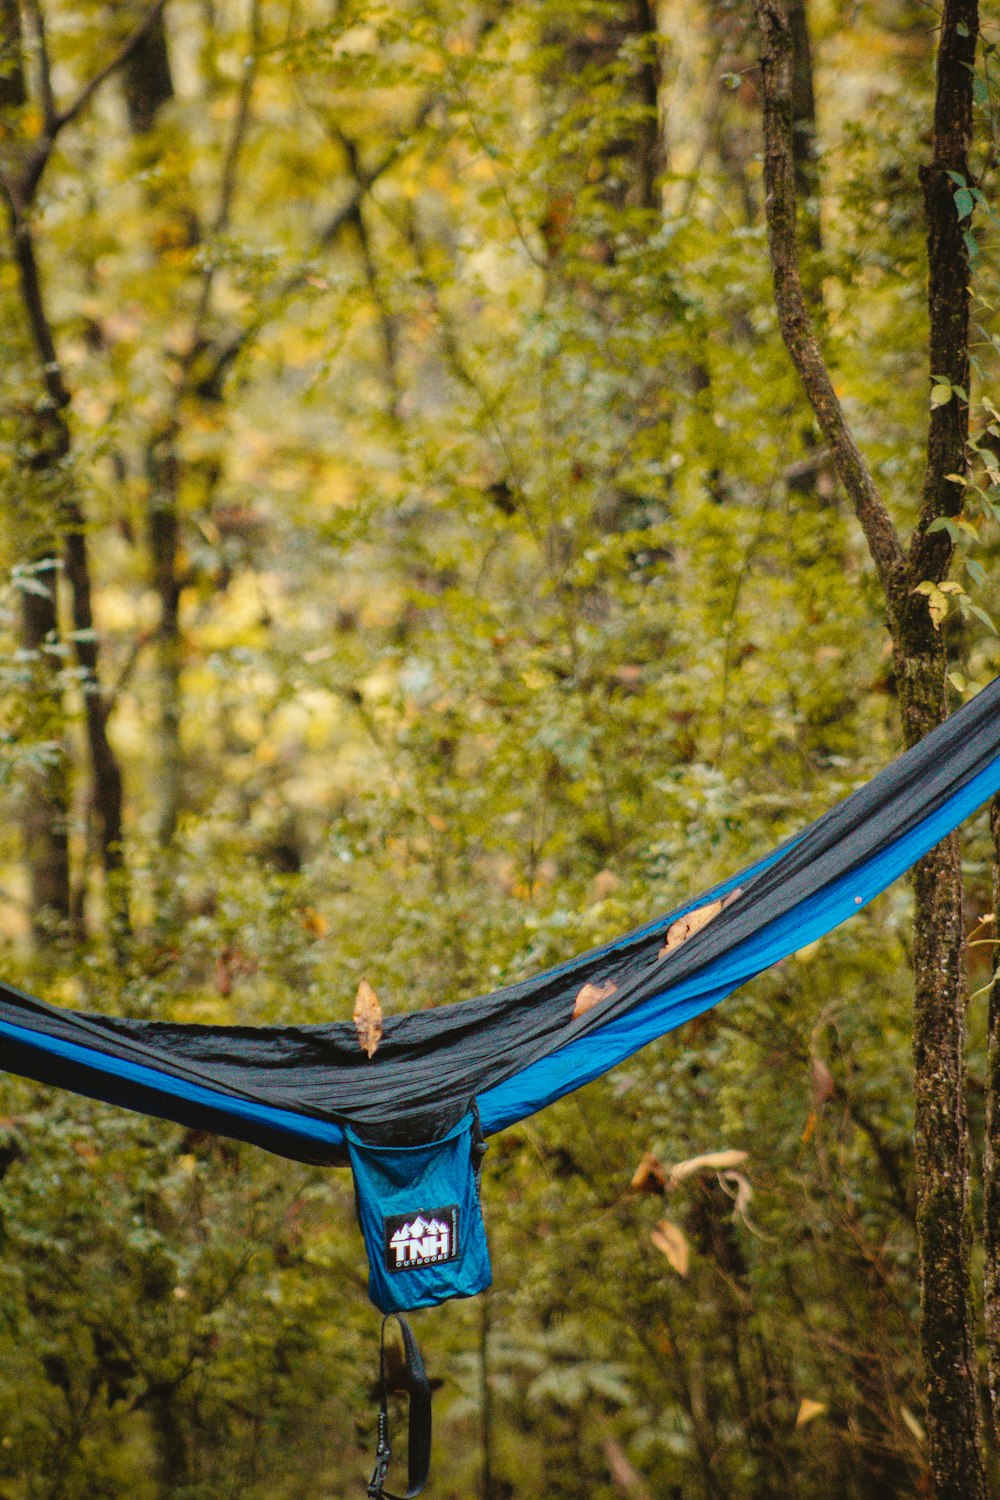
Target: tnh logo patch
426 1238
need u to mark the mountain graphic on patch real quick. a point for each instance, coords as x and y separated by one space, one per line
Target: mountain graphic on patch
428 1237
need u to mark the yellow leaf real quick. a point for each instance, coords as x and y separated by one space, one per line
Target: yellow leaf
672 1243
367 1018
809 1409
591 995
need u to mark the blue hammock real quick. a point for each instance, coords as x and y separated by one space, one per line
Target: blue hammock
410 1119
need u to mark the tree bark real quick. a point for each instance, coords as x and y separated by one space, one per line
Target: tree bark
941 1127
45 793
991 1153
804 124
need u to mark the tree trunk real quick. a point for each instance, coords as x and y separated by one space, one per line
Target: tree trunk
804 124
45 793
991 1154
51 446
148 84
147 79
941 1146
944 1224
941 1127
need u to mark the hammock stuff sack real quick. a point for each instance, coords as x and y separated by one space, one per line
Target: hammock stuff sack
410 1119
418 1208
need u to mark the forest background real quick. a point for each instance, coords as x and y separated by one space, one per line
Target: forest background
421 562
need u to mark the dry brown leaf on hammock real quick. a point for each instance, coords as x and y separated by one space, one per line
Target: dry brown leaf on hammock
693 921
367 1018
591 995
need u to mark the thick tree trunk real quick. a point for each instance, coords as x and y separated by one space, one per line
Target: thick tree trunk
944 1223
941 1129
941 1145
991 1154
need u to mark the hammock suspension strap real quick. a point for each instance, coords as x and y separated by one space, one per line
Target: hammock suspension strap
419 1443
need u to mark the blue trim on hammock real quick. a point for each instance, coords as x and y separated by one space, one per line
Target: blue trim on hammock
218 1107
586 1058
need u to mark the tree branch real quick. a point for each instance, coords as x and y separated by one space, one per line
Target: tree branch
227 185
37 16
793 314
27 183
948 289
339 220
31 295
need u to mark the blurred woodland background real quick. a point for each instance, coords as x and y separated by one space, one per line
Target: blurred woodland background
419 561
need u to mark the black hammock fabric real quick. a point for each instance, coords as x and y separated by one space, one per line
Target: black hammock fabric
295 1089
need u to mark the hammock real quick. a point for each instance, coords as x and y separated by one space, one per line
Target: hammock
410 1119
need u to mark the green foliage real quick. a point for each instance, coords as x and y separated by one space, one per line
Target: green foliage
517 602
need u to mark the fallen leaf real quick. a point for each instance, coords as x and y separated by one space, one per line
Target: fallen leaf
672 1243
591 995
649 1175
693 921
367 1018
809 1409
713 1161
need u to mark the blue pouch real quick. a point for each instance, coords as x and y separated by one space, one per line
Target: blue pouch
418 1207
